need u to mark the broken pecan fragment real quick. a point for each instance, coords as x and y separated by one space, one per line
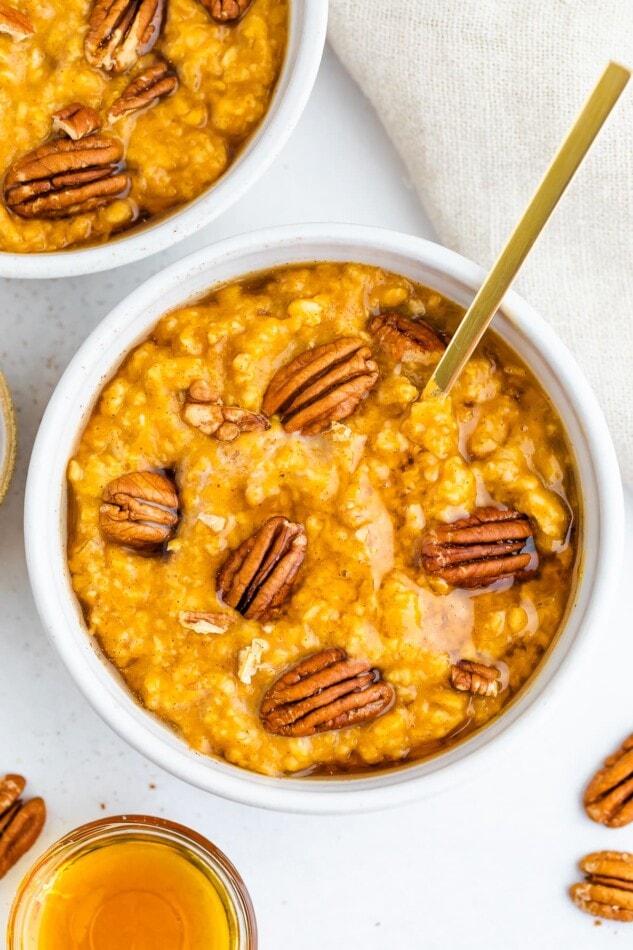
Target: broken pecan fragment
609 795
405 339
65 177
76 120
152 84
321 386
479 550
203 622
226 11
325 691
204 411
20 827
16 24
119 31
258 576
469 677
608 889
140 510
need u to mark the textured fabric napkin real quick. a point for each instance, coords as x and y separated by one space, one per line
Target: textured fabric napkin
476 95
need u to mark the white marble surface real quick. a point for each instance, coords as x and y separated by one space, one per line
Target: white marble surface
487 864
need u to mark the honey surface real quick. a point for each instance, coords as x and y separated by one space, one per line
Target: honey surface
364 490
133 895
174 149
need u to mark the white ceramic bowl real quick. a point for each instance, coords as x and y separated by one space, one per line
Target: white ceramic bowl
130 323
306 39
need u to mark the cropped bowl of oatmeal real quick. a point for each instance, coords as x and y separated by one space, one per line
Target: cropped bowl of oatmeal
302 575
130 125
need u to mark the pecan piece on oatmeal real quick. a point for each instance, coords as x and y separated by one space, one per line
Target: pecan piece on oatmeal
152 84
226 11
607 890
323 692
479 550
405 339
119 31
77 120
469 677
321 386
140 510
20 826
15 23
64 177
204 410
609 795
258 576
202 622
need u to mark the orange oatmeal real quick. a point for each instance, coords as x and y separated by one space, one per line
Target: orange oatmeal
161 119
292 557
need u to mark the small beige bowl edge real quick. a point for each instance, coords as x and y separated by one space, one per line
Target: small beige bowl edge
8 438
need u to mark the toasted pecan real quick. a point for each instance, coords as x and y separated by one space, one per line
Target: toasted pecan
148 87
467 676
405 339
609 795
321 386
607 890
15 23
77 120
140 510
20 827
204 411
226 11
323 692
119 31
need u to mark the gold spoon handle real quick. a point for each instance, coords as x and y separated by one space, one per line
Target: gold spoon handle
552 187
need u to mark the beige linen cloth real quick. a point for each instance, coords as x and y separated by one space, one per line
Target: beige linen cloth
476 95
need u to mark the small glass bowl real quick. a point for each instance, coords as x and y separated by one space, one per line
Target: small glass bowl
29 902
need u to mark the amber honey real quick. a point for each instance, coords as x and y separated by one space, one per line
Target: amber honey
133 883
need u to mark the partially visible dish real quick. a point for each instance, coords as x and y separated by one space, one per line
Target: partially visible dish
8 438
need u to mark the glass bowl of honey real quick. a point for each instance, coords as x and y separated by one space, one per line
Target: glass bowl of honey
132 881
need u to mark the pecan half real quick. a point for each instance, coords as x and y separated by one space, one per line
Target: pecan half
608 888
15 23
405 339
152 84
321 386
258 576
479 550
609 795
469 677
204 411
226 11
11 787
325 691
64 177
140 510
76 120
20 827
119 31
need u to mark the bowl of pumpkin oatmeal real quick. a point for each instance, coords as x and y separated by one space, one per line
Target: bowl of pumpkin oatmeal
127 126
278 570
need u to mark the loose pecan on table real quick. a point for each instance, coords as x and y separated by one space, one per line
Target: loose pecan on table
226 11
608 889
467 676
119 31
20 822
204 410
405 339
609 795
65 177
16 24
258 576
77 120
152 84
479 550
140 510
325 691
321 386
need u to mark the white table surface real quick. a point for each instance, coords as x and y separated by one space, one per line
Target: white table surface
485 865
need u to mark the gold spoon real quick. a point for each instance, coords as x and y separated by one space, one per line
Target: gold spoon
564 165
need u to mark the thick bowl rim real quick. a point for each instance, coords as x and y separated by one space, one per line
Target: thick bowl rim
131 722
306 42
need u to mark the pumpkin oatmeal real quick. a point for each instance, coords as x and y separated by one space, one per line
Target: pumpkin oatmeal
292 557
115 112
